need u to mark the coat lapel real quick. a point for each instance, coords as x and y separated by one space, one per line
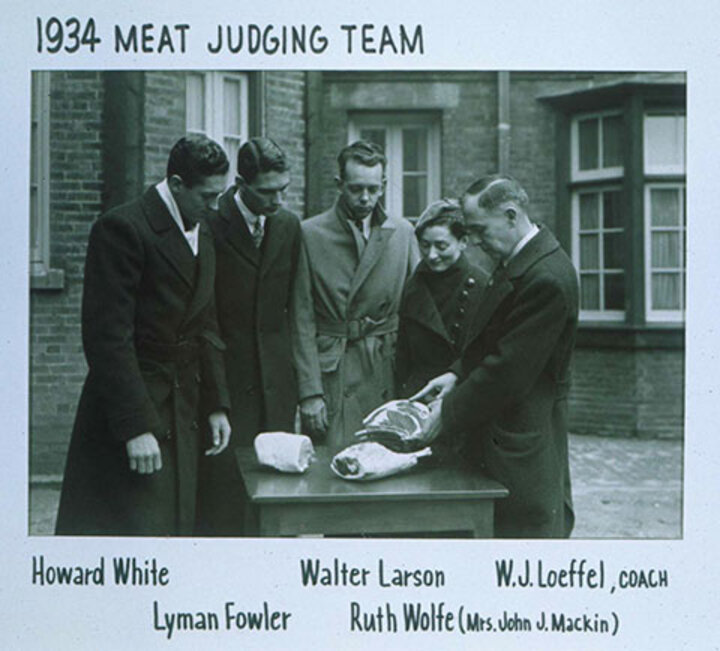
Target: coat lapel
374 249
170 241
238 235
420 306
272 242
205 273
500 284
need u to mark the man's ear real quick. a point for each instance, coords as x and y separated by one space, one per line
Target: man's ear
176 184
511 214
338 182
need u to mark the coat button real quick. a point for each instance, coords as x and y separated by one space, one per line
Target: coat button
194 425
464 295
176 383
470 282
455 327
198 379
168 433
490 283
461 311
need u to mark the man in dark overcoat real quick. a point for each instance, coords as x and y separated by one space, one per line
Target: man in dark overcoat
507 396
155 389
257 243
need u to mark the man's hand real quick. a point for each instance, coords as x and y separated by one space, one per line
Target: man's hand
144 453
313 415
437 388
220 432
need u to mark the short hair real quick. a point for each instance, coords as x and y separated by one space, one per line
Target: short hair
193 158
363 152
444 212
495 189
259 155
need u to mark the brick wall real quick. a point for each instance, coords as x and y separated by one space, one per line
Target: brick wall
284 103
164 120
627 393
57 364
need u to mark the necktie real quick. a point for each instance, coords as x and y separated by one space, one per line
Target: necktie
359 225
257 233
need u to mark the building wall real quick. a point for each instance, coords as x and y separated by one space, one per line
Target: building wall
284 104
625 392
57 365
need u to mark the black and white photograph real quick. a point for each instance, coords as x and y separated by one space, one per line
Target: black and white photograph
348 242
330 327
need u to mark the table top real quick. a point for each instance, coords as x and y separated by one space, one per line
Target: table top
320 484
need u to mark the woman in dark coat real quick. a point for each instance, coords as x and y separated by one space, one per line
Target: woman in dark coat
439 299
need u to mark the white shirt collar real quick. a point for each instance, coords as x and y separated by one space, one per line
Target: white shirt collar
193 235
534 230
248 215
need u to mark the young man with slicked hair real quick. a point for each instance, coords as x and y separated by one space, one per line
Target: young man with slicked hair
353 267
257 243
155 391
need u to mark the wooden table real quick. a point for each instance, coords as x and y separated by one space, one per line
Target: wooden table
425 500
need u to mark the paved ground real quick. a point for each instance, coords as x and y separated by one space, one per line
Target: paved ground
623 488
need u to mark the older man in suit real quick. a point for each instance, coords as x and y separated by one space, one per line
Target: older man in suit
257 243
156 381
507 396
353 266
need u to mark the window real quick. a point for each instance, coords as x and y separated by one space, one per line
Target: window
40 175
615 202
600 254
665 219
597 214
412 146
217 106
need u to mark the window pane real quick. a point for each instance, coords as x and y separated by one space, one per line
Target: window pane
588 211
614 250
614 291
374 135
666 291
414 150
588 136
195 104
590 292
666 250
232 117
612 141
414 195
612 209
665 207
35 244
665 140
589 252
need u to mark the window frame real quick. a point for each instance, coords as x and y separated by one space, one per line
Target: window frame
393 122
616 316
214 106
601 173
657 315
39 249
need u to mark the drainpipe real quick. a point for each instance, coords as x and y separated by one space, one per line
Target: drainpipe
503 125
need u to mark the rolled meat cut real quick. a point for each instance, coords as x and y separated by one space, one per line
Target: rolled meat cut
399 425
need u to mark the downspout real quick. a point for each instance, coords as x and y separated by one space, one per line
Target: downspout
503 125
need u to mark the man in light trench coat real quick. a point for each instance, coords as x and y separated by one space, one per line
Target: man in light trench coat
353 265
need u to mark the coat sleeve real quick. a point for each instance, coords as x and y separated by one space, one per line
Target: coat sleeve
215 395
530 333
303 331
113 271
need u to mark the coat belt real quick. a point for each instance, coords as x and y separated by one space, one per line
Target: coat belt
358 328
183 350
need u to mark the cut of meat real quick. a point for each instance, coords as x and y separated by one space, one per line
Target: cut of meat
399 425
370 460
